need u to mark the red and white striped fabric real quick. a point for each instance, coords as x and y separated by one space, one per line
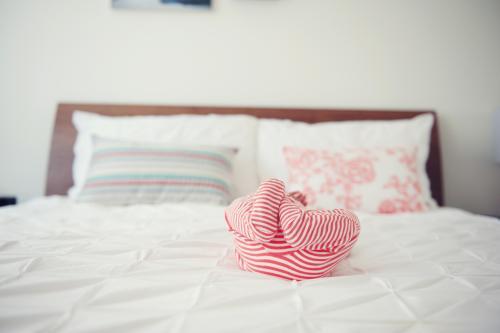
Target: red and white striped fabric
275 235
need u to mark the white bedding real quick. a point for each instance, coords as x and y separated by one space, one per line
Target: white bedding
68 267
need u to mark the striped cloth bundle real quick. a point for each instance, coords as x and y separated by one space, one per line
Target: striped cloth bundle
275 235
125 173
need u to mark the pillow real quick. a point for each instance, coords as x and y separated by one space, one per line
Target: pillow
351 142
382 180
125 173
216 130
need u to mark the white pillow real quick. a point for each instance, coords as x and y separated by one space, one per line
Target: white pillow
275 135
238 131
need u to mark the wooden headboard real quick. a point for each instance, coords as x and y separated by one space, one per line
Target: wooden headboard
59 178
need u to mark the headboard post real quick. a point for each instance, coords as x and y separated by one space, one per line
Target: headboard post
59 177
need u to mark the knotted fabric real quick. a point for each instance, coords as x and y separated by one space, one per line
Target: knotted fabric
274 234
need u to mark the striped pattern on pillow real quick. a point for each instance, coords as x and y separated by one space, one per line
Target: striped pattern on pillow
125 173
275 235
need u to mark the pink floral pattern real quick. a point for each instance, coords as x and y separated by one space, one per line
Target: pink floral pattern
407 187
383 180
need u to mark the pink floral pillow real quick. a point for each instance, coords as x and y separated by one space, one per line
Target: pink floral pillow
374 180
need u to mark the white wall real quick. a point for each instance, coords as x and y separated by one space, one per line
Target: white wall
442 55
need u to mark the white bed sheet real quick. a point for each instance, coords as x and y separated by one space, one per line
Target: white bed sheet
68 267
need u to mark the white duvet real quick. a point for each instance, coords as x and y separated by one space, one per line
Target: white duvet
68 267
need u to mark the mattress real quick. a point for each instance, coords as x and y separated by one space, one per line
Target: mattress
67 267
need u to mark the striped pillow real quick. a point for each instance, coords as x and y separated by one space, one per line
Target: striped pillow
126 173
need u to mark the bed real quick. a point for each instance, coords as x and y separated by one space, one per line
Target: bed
79 267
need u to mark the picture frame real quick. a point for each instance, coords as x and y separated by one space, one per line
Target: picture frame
160 4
